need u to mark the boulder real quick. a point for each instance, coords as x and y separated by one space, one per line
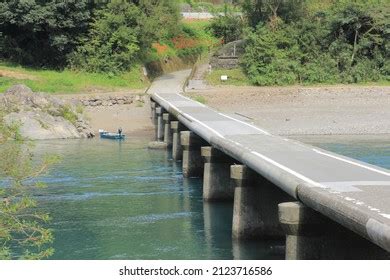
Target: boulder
39 126
42 116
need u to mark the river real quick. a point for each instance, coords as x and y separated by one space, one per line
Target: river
119 200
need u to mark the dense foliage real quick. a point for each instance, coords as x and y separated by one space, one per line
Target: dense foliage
42 33
348 43
95 36
228 27
260 11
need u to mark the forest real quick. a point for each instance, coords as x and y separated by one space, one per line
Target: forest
287 41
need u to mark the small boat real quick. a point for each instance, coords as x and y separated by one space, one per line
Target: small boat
109 135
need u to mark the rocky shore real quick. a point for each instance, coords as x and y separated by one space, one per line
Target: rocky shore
40 116
108 100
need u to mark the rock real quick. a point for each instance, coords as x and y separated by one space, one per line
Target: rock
43 117
38 126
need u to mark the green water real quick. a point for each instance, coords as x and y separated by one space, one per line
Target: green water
112 200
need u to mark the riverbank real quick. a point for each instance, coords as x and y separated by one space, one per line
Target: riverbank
324 110
109 111
70 82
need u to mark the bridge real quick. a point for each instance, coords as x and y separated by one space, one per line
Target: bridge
327 206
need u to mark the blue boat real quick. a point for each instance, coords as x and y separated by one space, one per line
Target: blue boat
109 135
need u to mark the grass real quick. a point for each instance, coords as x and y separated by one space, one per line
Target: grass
236 77
68 81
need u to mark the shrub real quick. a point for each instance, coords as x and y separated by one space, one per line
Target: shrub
272 57
123 33
113 44
347 43
228 27
42 33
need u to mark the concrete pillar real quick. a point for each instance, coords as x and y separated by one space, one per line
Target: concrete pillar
160 124
153 112
255 214
312 236
157 118
246 219
177 151
217 185
167 129
192 159
302 227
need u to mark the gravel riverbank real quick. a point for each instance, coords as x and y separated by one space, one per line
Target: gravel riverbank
333 110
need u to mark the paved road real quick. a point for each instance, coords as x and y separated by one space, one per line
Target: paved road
351 192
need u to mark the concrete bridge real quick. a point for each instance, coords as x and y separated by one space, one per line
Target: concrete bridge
326 205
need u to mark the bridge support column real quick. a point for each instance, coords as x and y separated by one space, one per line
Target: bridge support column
310 236
177 151
167 129
217 185
192 159
159 130
160 124
303 229
255 211
153 116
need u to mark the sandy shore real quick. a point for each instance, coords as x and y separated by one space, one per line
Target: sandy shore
335 110
132 118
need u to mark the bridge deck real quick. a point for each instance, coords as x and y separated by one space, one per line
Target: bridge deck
351 192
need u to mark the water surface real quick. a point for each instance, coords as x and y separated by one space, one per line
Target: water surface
119 200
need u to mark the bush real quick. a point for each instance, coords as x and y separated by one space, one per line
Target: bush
113 42
272 57
123 33
228 27
347 43
42 33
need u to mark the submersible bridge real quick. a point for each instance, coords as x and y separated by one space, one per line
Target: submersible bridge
327 206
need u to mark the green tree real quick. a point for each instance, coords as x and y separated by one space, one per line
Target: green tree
272 57
123 33
348 42
42 33
261 11
229 27
113 42
159 21
22 227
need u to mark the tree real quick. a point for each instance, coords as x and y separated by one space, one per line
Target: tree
123 32
42 33
113 41
229 27
22 231
261 11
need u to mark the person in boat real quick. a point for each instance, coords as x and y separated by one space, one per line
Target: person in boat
120 131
